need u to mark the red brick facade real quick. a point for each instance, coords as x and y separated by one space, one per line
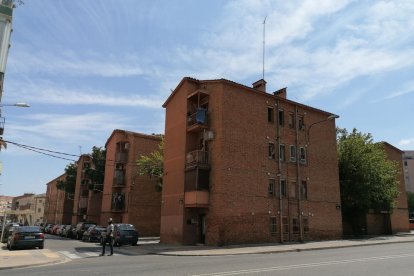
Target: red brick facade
399 216
58 206
222 171
87 202
127 196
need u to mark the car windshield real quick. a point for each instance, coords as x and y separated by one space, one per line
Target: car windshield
28 229
126 227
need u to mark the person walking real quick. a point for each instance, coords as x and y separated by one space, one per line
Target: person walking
109 238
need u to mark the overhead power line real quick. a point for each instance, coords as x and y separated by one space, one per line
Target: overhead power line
44 151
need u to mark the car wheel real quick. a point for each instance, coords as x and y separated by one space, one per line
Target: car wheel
11 247
41 247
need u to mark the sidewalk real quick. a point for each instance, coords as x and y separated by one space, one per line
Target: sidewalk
24 258
180 250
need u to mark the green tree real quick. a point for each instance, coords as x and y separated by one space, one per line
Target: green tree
410 201
368 180
68 185
96 172
152 165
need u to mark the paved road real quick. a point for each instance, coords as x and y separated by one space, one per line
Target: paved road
378 260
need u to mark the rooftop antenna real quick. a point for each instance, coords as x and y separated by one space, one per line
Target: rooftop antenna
264 37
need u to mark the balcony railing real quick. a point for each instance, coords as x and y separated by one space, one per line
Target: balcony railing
197 180
121 157
197 157
119 179
197 119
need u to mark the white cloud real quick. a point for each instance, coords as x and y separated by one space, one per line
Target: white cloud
407 143
77 64
51 93
65 128
406 89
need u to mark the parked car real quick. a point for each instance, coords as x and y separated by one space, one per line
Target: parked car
8 229
93 233
82 227
48 228
54 229
68 231
61 230
27 237
124 233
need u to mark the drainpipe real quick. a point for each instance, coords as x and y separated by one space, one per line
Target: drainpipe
279 165
298 183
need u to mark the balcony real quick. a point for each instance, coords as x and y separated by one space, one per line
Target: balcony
197 158
119 179
121 157
118 202
196 199
197 121
196 188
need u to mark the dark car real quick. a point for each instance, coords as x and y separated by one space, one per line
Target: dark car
93 233
26 237
8 229
82 227
123 234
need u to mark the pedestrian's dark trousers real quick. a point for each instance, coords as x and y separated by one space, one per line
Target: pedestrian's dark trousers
109 240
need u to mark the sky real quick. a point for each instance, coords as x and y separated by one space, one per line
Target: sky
89 67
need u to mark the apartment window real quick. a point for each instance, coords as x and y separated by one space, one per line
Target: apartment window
40 201
304 190
39 210
283 187
292 153
292 189
301 122
282 154
295 225
271 153
271 187
302 155
281 117
405 163
270 115
273 225
291 120
305 224
285 225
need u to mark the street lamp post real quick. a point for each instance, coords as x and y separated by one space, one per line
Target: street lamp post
3 119
15 104
330 117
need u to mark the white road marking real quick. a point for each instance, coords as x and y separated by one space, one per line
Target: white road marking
287 267
69 255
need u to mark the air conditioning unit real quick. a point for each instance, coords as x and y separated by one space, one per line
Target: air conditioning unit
208 135
118 167
126 146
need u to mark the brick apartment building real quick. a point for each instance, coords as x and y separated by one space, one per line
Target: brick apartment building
59 204
87 200
408 159
127 196
245 166
399 217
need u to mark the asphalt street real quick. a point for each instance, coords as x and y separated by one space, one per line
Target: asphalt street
379 260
